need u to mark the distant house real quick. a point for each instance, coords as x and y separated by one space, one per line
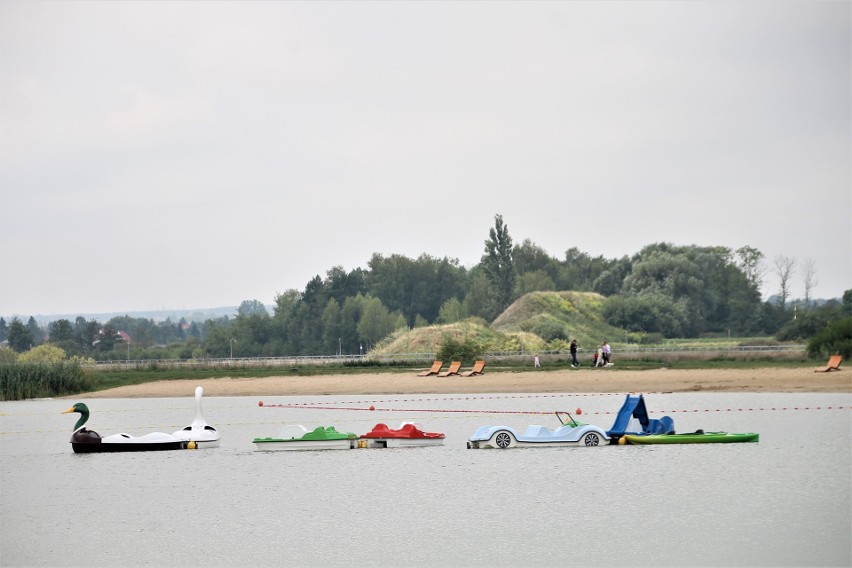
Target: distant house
122 334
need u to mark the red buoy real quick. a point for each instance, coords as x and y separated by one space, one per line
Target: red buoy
260 403
578 411
372 407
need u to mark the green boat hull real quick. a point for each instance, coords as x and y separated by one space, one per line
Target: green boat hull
693 438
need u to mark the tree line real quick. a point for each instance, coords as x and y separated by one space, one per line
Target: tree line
665 289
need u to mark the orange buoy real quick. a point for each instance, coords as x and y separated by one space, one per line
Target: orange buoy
372 407
578 411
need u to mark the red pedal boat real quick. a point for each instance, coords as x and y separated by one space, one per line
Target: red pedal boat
408 435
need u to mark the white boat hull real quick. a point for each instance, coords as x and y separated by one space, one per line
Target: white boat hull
202 438
152 438
402 442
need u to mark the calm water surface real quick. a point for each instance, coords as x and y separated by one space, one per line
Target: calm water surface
782 502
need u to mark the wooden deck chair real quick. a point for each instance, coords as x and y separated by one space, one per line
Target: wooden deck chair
436 367
832 365
452 370
477 369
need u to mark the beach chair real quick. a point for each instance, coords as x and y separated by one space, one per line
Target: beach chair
832 365
476 370
436 367
452 370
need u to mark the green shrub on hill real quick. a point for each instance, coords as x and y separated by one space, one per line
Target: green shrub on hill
467 351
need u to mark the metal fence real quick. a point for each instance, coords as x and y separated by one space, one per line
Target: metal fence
426 358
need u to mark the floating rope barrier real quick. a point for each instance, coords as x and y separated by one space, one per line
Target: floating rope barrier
533 412
480 397
437 411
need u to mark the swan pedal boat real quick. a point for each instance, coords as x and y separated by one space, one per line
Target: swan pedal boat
408 435
571 433
199 434
697 437
297 437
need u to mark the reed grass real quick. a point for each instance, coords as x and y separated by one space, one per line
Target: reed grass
20 381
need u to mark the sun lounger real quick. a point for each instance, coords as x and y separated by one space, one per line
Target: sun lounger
452 370
832 365
477 369
436 367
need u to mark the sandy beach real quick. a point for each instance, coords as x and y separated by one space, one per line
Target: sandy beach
540 381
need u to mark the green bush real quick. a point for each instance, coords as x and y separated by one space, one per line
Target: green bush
549 330
807 325
653 338
651 313
44 353
466 351
836 339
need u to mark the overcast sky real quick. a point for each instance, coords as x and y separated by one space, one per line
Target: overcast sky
192 155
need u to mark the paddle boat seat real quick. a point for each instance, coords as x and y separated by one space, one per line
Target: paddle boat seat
664 425
539 432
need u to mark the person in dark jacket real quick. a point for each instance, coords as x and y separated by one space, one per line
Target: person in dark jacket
574 347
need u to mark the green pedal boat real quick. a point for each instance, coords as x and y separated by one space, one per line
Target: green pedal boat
697 437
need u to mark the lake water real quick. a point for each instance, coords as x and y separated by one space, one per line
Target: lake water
784 501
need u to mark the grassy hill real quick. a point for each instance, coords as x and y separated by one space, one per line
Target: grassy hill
538 321
560 315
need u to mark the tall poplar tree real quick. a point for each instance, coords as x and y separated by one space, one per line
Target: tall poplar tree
499 266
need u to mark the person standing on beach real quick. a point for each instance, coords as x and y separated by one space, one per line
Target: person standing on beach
536 361
599 357
574 347
607 351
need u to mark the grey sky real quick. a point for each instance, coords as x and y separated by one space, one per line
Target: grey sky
188 155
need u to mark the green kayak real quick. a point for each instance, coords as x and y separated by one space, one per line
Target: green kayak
699 437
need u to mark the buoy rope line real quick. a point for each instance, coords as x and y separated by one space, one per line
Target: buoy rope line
434 410
482 397
534 412
336 405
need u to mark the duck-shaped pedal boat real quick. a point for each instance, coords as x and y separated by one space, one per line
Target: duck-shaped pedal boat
85 441
408 435
199 432
297 437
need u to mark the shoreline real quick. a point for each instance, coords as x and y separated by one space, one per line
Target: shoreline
586 380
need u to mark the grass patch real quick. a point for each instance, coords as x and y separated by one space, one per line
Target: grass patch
111 379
